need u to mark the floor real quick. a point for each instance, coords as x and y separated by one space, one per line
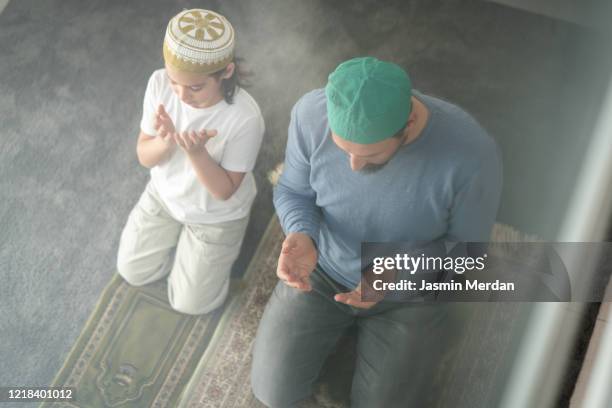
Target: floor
73 77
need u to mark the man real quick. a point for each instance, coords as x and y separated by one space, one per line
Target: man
368 159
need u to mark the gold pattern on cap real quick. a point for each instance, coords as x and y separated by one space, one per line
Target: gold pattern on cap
201 27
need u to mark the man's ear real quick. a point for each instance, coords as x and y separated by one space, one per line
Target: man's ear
229 71
411 117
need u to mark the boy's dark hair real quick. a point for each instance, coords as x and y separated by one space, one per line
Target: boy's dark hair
231 84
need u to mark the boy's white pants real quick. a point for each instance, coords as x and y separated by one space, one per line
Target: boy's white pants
199 278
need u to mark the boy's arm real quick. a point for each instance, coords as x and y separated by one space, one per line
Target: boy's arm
221 183
152 150
240 153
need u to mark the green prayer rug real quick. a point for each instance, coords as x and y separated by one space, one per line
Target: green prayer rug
135 351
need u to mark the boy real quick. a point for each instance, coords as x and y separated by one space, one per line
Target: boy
200 136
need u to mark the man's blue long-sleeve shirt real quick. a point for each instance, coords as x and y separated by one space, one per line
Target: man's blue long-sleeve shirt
445 185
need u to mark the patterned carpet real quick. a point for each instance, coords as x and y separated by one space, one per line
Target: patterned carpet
222 378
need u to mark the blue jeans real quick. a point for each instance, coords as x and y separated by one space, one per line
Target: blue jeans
399 346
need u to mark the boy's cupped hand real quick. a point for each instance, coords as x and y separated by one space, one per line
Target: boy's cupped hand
190 141
164 125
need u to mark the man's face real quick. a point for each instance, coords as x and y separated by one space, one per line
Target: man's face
369 158
196 90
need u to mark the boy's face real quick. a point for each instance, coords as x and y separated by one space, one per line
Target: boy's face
196 90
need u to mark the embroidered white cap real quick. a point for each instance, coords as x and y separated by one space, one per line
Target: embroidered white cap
199 40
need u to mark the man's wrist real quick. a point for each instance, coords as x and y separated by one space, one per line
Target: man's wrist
314 243
308 234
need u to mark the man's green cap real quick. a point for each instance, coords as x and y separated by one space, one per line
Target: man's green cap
368 100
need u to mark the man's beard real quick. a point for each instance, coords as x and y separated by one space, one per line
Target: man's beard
373 168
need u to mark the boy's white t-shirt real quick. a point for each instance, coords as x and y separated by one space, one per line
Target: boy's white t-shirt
240 129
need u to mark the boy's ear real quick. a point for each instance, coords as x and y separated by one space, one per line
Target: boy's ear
229 71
